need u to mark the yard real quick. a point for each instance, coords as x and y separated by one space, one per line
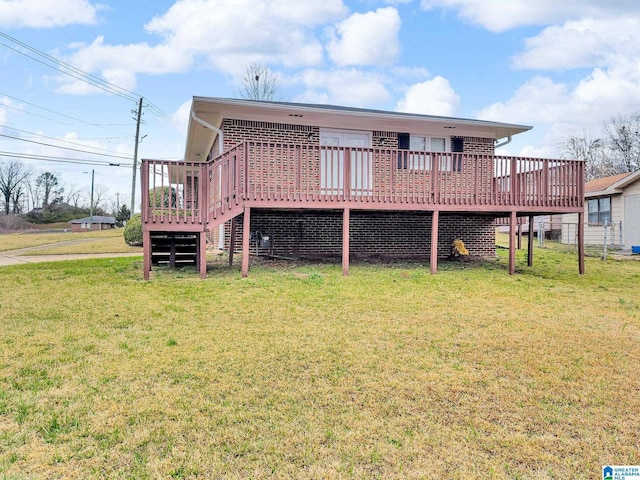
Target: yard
298 372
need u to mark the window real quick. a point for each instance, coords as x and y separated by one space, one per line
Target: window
599 211
418 161
413 160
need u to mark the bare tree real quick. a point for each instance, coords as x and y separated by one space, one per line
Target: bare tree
591 150
72 196
51 189
623 136
259 83
13 175
18 199
34 192
99 195
618 151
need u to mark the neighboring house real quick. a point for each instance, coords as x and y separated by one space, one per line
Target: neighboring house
326 181
611 204
97 222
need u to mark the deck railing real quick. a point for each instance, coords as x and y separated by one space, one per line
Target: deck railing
173 193
286 175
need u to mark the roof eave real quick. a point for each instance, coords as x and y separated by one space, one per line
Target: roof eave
214 110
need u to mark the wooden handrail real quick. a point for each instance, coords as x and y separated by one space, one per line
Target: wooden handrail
299 174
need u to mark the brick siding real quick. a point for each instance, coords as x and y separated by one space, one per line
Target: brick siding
318 234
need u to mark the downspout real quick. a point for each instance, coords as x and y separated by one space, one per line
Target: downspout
220 152
506 142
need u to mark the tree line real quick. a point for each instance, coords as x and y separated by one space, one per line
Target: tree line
43 198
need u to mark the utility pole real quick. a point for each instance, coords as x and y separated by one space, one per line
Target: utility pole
135 158
91 208
117 201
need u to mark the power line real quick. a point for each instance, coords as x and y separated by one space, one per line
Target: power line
48 158
61 122
63 148
78 74
68 69
60 140
97 125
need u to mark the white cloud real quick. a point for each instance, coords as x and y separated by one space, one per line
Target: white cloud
222 34
585 43
366 38
540 100
501 15
180 118
46 14
531 151
350 87
594 100
433 97
232 33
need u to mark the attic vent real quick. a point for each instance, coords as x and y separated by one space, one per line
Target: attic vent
449 126
296 115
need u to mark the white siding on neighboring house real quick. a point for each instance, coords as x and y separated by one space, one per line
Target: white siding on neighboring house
631 219
624 228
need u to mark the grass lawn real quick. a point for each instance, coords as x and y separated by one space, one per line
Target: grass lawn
105 241
298 372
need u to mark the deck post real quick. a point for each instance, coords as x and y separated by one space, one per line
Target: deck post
433 260
146 250
202 254
519 233
530 242
512 243
172 252
345 242
581 243
232 240
246 227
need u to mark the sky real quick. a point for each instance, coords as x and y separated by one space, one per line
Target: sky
563 67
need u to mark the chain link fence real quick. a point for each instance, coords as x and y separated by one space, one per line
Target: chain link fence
599 240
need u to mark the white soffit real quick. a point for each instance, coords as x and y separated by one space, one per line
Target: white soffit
214 110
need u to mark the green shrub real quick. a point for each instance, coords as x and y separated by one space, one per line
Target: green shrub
133 231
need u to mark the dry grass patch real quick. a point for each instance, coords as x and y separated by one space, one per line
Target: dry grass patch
298 372
61 243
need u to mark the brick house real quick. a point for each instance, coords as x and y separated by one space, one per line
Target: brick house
327 181
97 222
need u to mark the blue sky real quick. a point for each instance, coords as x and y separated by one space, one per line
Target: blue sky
562 67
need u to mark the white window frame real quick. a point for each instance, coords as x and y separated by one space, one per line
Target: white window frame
422 162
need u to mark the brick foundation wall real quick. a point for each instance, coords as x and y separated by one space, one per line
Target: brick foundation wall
318 234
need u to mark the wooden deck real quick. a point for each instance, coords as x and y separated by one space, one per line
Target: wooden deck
270 175
197 197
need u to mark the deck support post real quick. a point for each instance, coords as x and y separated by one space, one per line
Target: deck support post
530 242
512 243
581 243
232 240
433 259
519 233
246 227
202 254
345 242
172 252
146 250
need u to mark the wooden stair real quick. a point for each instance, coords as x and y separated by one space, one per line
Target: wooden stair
174 249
